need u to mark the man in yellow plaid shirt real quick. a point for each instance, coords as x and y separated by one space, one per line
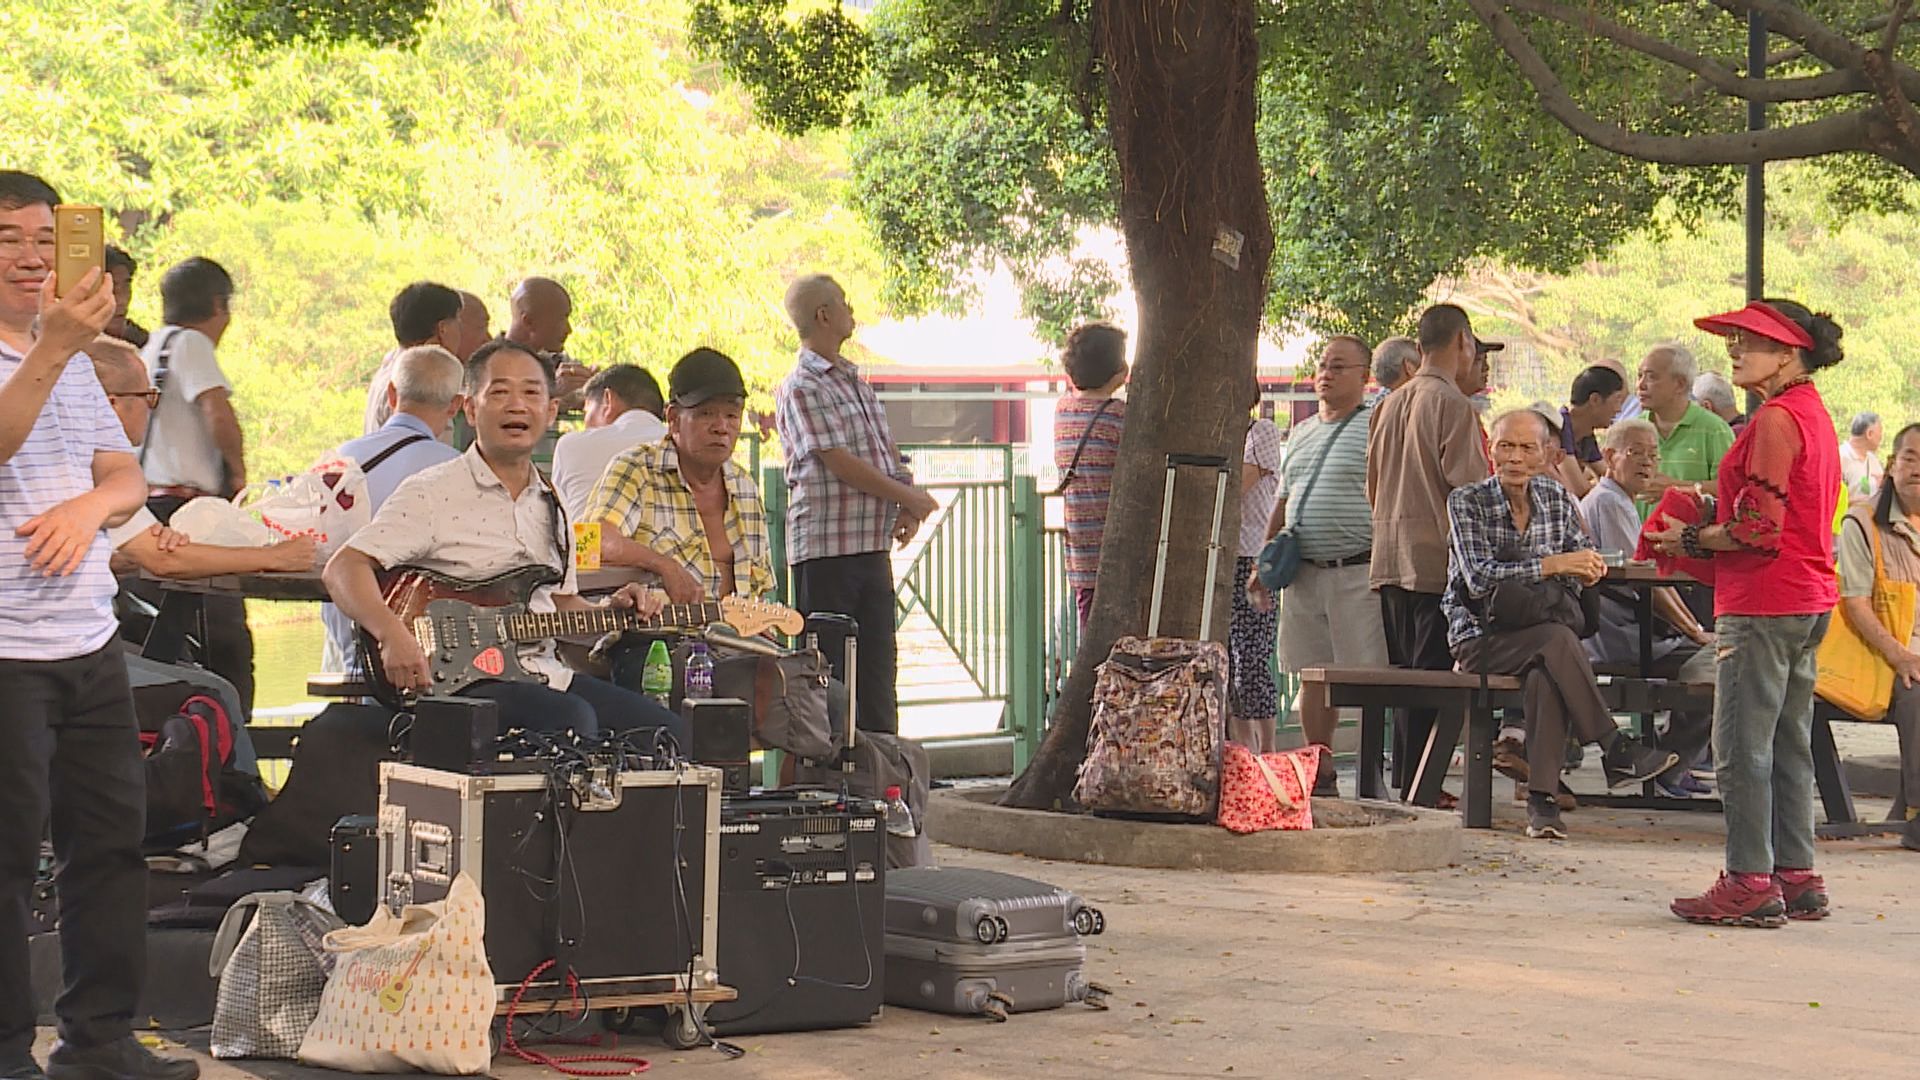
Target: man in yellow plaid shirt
681 509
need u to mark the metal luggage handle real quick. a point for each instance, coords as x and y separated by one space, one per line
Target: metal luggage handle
1205 461
1174 461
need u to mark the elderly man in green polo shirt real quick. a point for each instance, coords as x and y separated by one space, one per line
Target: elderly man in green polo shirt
1692 438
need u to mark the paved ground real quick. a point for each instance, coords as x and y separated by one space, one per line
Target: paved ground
1530 959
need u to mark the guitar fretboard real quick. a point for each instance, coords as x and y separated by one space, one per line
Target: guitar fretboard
539 626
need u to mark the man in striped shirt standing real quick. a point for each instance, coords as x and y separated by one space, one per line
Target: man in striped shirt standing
68 742
849 492
1330 616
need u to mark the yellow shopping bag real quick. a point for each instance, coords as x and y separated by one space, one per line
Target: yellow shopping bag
1853 675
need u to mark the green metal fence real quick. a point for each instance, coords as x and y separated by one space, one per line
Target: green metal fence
989 574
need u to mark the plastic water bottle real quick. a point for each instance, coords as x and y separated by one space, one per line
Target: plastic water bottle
699 672
899 815
656 678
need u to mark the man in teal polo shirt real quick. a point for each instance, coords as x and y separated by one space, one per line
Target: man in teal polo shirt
1692 438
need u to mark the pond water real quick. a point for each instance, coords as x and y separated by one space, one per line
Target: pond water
288 639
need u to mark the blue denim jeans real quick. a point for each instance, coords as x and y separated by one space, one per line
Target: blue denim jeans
1763 738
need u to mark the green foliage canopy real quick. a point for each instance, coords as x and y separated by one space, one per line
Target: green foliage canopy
1401 145
1652 287
536 137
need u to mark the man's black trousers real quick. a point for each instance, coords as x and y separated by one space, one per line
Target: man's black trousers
70 748
860 586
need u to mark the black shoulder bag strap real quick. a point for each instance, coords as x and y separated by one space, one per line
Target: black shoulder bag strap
1066 477
160 363
380 458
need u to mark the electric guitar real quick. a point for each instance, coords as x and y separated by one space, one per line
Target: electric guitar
471 630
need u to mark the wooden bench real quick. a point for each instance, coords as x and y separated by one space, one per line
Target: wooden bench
1463 709
1466 705
273 743
329 684
1830 776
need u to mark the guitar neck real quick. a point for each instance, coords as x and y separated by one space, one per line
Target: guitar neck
529 626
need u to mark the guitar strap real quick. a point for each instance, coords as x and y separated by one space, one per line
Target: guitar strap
562 528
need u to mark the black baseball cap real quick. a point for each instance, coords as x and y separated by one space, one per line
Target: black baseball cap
702 375
1485 347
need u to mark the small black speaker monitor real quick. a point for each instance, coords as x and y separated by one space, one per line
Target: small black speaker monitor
456 734
722 737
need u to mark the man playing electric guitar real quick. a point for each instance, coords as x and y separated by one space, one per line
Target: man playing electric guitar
487 514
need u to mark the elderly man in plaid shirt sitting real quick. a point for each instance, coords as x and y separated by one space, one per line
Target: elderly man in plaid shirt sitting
681 508
1517 561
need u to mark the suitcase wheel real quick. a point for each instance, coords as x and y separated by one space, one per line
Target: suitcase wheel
997 1007
1097 996
991 930
1088 921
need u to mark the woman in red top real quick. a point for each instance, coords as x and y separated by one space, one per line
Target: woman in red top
1772 549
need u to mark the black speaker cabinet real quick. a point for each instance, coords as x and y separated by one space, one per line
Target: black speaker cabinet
722 738
455 733
802 900
353 883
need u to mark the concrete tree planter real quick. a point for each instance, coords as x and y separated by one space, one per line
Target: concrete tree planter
1349 836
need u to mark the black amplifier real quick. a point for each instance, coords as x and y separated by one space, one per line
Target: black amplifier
802 899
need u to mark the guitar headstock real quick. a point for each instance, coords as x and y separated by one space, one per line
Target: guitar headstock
751 618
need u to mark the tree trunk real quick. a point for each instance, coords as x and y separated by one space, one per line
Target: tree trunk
1181 107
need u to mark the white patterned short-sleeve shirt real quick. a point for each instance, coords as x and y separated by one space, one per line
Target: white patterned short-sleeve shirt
457 519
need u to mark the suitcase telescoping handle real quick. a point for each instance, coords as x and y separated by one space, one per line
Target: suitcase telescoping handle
1174 462
849 658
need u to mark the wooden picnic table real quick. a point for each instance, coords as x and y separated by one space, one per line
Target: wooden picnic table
1643 579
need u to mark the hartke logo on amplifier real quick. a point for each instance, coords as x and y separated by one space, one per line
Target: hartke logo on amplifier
735 827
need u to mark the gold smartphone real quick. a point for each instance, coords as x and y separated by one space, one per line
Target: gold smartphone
81 243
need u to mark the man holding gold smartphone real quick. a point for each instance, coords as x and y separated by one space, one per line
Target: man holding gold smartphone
69 751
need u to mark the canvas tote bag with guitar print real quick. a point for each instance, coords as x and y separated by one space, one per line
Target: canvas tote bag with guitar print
409 992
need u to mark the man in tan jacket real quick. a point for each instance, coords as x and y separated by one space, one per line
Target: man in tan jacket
1425 442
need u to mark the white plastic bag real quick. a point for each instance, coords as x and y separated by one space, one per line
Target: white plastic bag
328 502
212 520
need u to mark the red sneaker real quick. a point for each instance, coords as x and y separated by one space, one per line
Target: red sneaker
1804 894
1732 902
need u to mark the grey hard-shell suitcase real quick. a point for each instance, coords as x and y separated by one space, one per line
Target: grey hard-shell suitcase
978 942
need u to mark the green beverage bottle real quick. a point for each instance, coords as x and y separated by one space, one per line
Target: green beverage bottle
656 678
